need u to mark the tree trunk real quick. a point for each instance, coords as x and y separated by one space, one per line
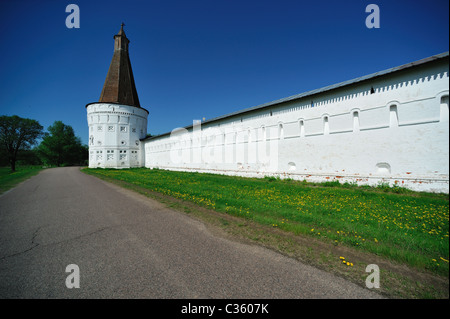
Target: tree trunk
13 158
12 161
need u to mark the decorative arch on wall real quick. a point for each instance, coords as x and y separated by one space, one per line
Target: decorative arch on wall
250 137
393 115
355 119
383 168
444 107
392 108
326 124
280 130
263 133
301 124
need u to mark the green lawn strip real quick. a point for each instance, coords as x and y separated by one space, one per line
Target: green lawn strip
406 227
10 179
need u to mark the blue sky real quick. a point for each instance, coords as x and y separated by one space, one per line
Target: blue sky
201 59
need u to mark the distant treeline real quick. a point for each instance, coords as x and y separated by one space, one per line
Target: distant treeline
57 147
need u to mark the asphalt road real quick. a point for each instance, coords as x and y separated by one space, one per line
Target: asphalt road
128 246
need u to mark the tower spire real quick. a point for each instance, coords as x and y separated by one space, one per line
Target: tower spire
119 85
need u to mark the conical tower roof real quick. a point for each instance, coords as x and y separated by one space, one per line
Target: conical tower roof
119 85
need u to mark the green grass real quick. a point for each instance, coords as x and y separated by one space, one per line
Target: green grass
395 223
8 179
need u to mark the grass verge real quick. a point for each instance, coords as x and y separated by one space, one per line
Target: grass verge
405 233
10 179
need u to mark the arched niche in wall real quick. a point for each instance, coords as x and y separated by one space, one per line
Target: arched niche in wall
355 120
444 112
301 123
263 133
326 124
280 130
393 115
383 168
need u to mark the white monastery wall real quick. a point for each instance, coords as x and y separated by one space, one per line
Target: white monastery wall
392 128
115 132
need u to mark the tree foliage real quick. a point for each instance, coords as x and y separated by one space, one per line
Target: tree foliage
18 134
60 146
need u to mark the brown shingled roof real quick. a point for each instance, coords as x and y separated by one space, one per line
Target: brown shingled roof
119 85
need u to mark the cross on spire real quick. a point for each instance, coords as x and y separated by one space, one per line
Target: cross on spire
121 31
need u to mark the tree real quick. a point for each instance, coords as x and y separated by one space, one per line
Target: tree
61 147
17 134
